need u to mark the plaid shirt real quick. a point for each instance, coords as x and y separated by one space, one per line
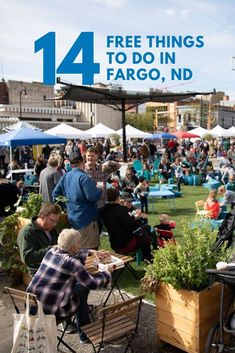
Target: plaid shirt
101 173
56 277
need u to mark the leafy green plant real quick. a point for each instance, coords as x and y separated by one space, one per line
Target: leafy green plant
32 205
9 251
115 139
183 265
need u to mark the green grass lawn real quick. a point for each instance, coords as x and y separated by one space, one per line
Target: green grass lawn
184 212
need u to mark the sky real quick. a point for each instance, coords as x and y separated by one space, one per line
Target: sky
23 22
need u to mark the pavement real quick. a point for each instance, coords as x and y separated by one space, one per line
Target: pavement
144 342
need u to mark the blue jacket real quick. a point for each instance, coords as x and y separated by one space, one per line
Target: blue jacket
82 195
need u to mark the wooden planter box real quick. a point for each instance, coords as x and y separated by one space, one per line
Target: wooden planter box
184 318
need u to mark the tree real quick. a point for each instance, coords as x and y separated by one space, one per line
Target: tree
144 121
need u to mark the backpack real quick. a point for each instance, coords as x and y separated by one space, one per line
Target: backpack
225 232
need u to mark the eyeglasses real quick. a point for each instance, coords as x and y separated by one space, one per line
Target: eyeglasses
53 220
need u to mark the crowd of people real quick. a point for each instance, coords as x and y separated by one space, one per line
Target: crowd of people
88 177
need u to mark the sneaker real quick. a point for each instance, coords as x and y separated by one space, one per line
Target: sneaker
70 328
83 338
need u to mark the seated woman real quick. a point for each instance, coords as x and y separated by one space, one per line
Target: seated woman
136 214
130 181
164 170
212 205
125 233
228 196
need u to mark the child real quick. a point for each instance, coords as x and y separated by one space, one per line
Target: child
178 170
141 191
164 231
231 183
147 173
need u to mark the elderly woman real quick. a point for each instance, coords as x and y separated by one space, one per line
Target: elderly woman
62 283
212 205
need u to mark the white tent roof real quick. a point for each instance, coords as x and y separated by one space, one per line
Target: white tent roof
100 130
218 131
231 130
19 125
69 132
199 131
132 132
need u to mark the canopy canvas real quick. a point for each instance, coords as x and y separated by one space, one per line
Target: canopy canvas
231 130
120 99
100 130
199 131
184 135
25 137
163 135
20 124
219 131
68 132
132 132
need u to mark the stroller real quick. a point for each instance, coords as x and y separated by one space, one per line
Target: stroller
220 336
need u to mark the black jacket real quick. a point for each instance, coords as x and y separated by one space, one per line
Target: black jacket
119 224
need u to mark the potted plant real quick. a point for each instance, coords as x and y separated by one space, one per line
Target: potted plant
186 305
9 228
9 252
32 206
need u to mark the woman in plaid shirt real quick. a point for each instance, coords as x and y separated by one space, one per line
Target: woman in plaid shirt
62 283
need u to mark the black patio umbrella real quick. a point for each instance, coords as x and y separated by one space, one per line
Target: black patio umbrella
121 100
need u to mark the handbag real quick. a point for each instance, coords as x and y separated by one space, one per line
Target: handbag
34 333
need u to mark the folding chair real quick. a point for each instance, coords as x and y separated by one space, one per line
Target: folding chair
19 297
116 322
200 209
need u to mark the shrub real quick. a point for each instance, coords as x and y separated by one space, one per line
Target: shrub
183 265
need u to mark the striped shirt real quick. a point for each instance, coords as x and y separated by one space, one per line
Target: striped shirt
56 277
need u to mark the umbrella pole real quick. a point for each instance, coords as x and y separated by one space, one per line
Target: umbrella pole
11 163
124 131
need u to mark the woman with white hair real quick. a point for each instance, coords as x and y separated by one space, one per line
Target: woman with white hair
62 283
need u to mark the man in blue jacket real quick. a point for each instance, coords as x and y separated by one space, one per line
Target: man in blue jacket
82 195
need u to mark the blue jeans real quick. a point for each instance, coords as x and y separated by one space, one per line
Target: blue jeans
81 293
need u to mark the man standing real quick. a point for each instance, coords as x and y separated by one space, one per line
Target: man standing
82 195
48 179
38 236
99 172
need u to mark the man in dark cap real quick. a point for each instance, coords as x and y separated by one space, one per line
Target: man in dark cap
82 194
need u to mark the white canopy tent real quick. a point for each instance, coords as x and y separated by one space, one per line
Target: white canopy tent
19 125
69 132
132 132
199 131
232 131
100 130
218 131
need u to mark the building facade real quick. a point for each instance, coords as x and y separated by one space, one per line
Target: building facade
206 111
35 103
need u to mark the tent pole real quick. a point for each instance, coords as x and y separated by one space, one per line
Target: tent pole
124 131
11 163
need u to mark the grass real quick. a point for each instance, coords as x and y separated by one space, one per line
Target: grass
184 212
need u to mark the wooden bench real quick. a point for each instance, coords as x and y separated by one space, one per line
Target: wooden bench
116 322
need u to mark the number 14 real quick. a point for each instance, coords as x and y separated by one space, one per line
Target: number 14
87 68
